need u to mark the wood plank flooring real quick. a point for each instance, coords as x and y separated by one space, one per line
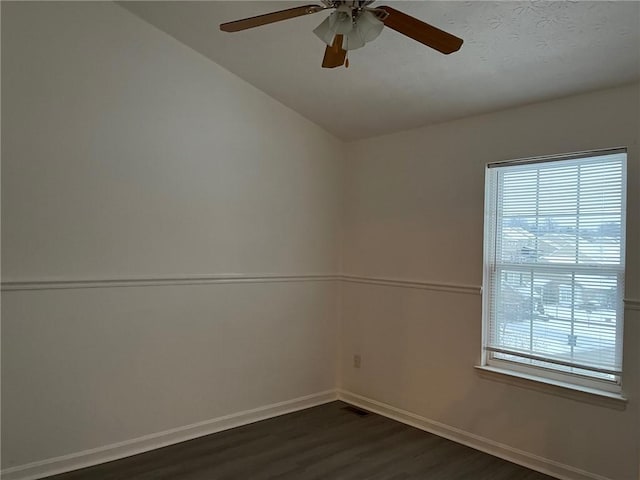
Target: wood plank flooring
328 442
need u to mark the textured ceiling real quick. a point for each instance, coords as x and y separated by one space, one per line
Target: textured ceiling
514 53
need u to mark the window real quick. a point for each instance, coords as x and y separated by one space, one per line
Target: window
554 267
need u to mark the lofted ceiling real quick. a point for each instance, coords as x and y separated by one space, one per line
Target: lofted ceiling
514 53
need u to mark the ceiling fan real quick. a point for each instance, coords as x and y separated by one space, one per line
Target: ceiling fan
352 24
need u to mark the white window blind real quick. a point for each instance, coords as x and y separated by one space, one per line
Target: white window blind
554 265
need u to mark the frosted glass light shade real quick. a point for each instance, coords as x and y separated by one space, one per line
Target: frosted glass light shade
325 32
338 23
353 40
341 21
369 26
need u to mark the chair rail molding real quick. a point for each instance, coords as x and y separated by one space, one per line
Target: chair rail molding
66 283
632 303
414 284
57 283
52 283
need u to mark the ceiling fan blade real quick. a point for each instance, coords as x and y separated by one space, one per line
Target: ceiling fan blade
334 56
270 18
420 31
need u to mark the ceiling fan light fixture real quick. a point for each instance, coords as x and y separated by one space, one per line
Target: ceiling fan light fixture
353 40
369 26
324 32
356 33
341 20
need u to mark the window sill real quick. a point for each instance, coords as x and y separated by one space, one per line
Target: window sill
554 387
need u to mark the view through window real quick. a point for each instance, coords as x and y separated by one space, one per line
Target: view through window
554 267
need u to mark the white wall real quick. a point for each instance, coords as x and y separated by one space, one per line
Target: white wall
414 211
126 154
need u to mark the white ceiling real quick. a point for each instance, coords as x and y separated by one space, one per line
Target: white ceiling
514 53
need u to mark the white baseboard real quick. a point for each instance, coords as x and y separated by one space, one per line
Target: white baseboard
115 451
520 457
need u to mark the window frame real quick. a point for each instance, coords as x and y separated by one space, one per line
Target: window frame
491 199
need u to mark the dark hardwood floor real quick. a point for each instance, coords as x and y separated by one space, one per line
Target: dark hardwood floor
328 442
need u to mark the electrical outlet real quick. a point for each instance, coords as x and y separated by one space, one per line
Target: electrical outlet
357 361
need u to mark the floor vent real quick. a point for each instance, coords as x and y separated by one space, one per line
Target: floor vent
356 410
